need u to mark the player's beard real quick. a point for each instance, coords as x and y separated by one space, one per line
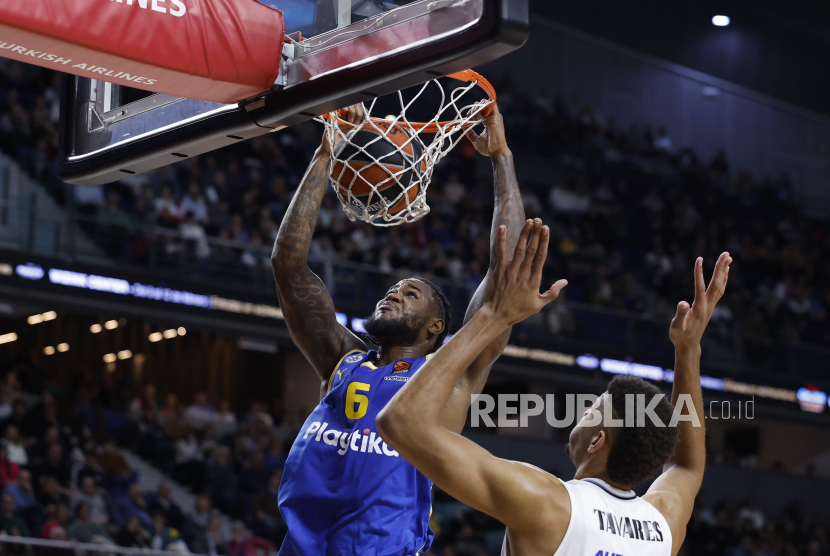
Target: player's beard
404 329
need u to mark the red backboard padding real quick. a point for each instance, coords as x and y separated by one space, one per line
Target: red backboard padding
217 50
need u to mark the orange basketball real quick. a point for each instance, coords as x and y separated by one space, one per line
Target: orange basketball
385 158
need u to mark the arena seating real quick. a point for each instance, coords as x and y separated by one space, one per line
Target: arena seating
629 211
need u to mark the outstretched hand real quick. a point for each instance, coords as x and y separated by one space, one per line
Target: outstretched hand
513 293
492 141
690 321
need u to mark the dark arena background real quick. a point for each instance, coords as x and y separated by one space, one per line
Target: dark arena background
143 348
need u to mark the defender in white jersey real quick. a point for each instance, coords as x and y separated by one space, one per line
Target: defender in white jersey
596 514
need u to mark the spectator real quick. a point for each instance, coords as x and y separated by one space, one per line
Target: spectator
164 537
58 517
171 406
663 142
165 206
8 469
224 422
242 543
91 468
24 496
268 522
5 404
14 445
213 543
89 495
752 513
194 234
51 493
55 466
112 216
133 535
253 478
125 507
194 202
220 480
275 458
84 529
115 466
189 461
161 501
39 452
196 524
11 522
201 412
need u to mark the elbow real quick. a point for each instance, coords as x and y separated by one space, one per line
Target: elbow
393 428
385 423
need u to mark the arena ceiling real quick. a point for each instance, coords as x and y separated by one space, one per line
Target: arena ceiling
778 48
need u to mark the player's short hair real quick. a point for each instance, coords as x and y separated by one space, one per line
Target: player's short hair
442 310
637 453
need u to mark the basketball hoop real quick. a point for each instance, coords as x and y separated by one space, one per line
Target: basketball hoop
381 168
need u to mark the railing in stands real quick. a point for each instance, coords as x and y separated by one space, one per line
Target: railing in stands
48 547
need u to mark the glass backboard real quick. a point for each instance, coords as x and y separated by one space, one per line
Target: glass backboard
336 53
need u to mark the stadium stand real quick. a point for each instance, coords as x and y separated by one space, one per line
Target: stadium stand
628 207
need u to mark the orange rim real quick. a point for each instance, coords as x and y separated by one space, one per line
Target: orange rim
467 76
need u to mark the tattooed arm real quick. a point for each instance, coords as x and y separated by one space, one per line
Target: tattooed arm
305 301
509 211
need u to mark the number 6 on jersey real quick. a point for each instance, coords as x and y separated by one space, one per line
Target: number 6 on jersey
352 398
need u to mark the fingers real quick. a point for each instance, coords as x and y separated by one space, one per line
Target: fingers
718 282
541 256
521 247
679 319
501 247
354 114
553 292
532 249
472 136
494 117
700 285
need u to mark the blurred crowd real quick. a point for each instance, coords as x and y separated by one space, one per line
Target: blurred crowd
727 529
629 211
233 462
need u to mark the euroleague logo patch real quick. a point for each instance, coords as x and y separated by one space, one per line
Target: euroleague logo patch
354 358
401 367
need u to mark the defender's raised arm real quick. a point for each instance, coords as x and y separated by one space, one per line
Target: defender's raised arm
306 304
410 423
673 493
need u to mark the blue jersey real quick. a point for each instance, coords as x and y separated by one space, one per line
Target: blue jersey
344 491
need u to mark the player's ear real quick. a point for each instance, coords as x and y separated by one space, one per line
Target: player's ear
598 441
437 326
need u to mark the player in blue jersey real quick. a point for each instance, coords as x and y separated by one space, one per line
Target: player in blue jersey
344 491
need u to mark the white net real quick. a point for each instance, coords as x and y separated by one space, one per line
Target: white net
381 168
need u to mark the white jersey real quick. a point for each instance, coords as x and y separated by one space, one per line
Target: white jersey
607 521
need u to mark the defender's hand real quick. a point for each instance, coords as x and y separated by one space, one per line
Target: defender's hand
491 142
355 115
513 294
690 321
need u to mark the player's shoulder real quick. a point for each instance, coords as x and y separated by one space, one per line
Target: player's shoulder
550 500
549 486
669 503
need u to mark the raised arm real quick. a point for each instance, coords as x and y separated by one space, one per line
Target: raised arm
306 303
516 494
510 213
674 492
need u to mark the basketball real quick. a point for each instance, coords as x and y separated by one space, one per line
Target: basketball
383 157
